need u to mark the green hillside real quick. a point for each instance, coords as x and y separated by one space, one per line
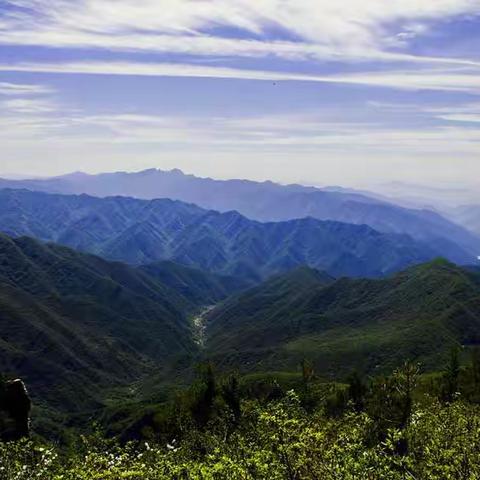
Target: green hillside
200 288
368 325
76 327
86 334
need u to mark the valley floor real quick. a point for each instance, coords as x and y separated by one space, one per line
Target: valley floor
199 325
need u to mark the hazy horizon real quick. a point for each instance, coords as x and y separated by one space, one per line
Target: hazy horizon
418 195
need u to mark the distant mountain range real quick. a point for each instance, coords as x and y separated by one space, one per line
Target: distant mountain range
269 202
341 325
141 232
441 197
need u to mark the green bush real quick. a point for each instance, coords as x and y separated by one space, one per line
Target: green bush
277 440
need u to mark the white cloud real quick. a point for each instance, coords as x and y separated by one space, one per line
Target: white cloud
378 31
205 45
353 29
427 79
464 113
29 105
258 146
18 89
465 117
300 132
322 21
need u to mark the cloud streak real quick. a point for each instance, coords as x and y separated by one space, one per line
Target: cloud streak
209 46
296 131
354 30
138 140
18 89
454 80
28 105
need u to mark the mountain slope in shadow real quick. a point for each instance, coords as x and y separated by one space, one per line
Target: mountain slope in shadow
140 232
75 326
271 202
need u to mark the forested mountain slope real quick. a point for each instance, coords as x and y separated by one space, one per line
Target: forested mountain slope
73 325
369 325
140 232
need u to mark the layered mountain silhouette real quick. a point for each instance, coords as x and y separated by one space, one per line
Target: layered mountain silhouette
268 202
140 232
108 300
346 324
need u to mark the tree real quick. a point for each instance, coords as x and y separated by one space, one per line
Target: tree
390 402
230 393
15 405
204 394
475 365
406 380
307 398
451 374
356 391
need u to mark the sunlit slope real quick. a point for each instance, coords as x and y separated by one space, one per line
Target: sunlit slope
369 325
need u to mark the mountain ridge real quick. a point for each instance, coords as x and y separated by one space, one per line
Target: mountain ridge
268 201
140 232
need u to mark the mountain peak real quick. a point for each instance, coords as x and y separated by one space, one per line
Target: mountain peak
437 263
148 171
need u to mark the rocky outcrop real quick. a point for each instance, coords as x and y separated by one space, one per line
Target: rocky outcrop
15 405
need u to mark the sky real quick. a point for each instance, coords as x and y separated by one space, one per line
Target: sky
353 92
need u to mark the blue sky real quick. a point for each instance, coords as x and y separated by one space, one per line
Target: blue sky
357 92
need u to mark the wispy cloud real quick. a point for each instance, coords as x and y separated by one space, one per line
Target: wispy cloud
28 105
211 46
340 151
288 130
464 113
459 80
356 30
18 89
462 117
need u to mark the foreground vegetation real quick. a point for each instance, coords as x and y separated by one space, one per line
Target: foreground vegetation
278 441
405 426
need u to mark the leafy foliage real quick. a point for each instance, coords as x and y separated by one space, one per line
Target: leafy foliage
280 441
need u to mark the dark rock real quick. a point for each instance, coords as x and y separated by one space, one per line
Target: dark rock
15 405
